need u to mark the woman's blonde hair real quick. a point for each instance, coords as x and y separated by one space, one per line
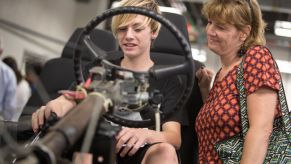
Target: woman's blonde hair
239 13
124 19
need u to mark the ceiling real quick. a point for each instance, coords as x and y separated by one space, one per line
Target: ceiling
272 10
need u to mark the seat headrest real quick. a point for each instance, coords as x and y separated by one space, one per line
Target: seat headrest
102 38
166 49
166 42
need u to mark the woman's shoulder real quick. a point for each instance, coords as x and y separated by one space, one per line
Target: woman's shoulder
258 50
258 54
260 69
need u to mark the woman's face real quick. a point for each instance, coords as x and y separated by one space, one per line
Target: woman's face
223 39
135 38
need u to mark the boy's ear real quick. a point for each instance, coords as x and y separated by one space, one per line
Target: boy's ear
154 35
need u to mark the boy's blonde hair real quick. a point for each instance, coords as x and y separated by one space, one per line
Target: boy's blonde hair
124 19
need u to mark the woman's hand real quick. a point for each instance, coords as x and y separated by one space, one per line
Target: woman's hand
204 76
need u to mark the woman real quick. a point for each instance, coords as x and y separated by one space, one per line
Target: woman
7 91
135 34
235 31
23 91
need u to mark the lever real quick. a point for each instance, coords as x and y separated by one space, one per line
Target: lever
53 118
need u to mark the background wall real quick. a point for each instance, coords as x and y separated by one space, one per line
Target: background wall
49 23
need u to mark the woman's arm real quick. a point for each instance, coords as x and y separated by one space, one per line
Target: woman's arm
261 108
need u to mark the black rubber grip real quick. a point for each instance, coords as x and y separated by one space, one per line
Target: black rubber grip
53 118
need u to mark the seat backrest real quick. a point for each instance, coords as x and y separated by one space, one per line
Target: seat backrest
167 50
166 42
101 38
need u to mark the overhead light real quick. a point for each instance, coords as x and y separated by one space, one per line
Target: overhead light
170 10
284 66
162 8
282 28
199 54
115 4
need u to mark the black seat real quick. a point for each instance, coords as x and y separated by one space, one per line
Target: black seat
162 53
58 73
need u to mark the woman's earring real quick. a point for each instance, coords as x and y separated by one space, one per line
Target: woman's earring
242 51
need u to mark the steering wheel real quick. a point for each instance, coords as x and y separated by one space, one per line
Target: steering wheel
186 68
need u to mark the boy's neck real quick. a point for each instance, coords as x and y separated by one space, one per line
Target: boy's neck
139 63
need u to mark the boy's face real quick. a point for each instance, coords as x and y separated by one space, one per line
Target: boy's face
135 38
